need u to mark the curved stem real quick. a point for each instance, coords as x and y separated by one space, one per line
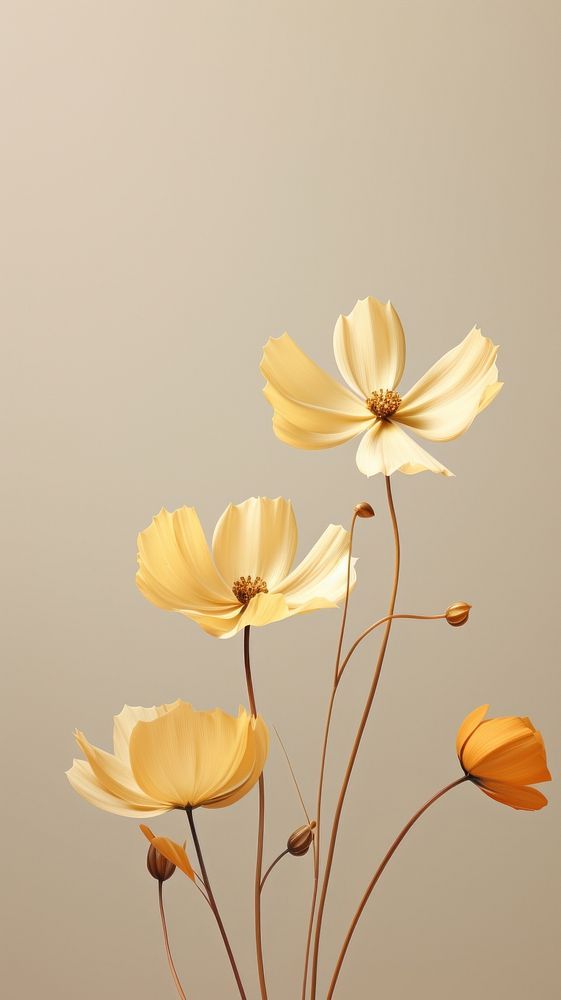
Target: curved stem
260 829
379 871
175 977
323 759
382 621
358 738
272 865
213 903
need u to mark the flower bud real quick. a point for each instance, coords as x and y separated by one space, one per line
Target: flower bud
299 842
158 866
364 510
458 614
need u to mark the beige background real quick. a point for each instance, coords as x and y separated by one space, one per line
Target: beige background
179 182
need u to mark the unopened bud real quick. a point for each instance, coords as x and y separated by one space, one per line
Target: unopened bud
158 866
458 614
364 510
299 842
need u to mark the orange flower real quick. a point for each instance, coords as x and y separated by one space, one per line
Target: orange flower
503 756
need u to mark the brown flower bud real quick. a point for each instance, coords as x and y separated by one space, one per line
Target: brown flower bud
158 866
458 614
299 842
364 510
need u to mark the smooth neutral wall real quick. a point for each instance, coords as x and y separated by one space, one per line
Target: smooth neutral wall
181 181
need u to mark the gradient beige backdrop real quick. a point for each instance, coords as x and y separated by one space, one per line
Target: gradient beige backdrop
181 181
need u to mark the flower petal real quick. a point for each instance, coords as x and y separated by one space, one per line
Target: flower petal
84 781
516 796
370 347
166 753
116 776
386 449
312 410
256 538
250 769
170 850
467 727
506 750
322 574
176 571
125 721
445 401
264 609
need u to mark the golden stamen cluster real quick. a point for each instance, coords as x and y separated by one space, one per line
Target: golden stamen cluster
383 403
245 588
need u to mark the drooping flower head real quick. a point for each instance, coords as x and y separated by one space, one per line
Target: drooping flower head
170 757
165 855
313 410
248 578
503 757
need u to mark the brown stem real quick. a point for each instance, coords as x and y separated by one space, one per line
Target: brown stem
212 901
272 865
379 871
356 745
260 829
175 977
323 759
382 621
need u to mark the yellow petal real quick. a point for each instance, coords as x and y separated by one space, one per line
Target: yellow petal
265 609
386 449
322 574
370 347
256 538
249 771
84 781
296 434
116 776
445 401
170 850
187 755
516 796
218 626
125 721
176 571
307 399
467 727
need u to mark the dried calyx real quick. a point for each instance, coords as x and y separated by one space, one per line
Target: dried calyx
158 866
457 614
300 841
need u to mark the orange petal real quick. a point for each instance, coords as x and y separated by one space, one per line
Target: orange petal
515 796
170 850
468 726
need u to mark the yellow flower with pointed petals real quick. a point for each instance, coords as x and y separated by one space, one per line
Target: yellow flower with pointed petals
503 757
248 578
313 410
170 757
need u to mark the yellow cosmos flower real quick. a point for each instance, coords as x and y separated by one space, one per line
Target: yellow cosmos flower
312 410
503 757
248 579
170 757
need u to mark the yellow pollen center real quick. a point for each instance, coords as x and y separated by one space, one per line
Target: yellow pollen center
383 403
245 588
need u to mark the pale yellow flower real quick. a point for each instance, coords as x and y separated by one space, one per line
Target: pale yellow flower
503 757
170 757
313 410
248 578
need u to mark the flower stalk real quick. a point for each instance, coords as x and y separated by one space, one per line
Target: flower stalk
260 830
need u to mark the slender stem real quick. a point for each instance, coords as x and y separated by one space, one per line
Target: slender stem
382 621
379 871
358 738
212 901
272 865
175 977
260 829
323 759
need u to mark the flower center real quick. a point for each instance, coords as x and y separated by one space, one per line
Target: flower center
383 402
245 588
